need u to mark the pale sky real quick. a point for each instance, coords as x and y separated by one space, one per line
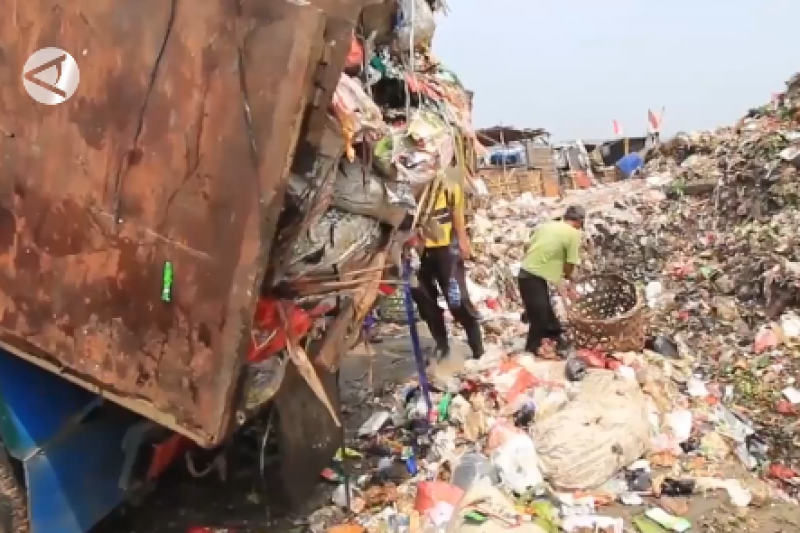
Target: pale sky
573 66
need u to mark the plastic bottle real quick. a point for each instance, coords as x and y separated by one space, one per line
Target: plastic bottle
453 290
471 468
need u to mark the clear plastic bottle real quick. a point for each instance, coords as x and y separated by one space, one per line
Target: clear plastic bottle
453 290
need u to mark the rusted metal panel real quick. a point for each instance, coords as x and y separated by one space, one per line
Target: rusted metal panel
154 159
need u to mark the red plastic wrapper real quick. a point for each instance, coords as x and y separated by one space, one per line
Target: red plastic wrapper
355 57
784 473
786 407
432 493
593 358
267 323
523 380
766 339
387 290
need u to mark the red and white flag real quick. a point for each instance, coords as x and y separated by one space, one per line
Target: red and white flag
655 120
617 128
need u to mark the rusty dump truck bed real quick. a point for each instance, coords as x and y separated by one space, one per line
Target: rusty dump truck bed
173 149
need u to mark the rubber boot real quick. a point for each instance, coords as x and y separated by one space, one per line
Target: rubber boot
563 347
475 341
442 349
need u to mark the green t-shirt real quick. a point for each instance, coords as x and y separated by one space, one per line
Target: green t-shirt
553 244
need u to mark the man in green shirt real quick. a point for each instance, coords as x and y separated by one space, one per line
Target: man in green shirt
551 257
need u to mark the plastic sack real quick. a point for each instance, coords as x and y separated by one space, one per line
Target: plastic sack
417 19
371 196
335 238
602 430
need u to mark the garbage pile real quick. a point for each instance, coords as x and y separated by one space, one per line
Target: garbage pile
541 446
610 441
399 128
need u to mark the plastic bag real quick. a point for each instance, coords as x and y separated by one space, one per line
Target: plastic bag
425 151
371 196
602 430
357 113
517 464
337 237
416 18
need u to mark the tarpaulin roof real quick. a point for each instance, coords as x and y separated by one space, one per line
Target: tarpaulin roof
498 134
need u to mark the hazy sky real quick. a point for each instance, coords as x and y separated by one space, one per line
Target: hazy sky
572 66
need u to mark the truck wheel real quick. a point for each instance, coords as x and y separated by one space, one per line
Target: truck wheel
13 498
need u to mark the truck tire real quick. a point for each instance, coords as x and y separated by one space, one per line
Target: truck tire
13 498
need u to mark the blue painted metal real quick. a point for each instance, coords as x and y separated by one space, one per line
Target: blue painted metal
70 443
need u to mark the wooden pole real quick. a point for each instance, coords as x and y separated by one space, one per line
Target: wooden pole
626 140
503 153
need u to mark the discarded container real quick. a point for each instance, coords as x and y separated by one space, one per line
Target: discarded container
575 369
664 346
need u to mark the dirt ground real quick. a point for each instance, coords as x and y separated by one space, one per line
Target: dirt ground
243 503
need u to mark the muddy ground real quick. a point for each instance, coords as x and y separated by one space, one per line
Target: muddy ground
243 503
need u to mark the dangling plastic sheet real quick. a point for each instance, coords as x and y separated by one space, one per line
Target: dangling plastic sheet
359 191
418 22
358 113
336 237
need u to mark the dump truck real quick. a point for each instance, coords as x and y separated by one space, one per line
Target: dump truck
140 227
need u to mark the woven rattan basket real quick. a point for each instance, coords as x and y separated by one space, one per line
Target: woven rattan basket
609 314
392 309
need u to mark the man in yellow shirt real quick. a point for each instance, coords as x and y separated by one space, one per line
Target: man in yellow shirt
551 257
442 271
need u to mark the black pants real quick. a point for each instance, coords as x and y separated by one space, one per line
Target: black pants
434 277
542 319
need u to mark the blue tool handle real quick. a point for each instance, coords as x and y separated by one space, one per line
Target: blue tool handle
412 325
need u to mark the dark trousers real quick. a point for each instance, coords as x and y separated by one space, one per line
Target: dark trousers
435 270
542 320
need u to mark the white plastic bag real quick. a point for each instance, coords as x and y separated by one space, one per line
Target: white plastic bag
417 20
517 464
603 429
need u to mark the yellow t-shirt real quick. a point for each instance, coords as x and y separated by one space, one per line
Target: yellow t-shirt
449 202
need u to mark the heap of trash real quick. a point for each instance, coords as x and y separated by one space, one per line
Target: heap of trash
398 120
707 410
